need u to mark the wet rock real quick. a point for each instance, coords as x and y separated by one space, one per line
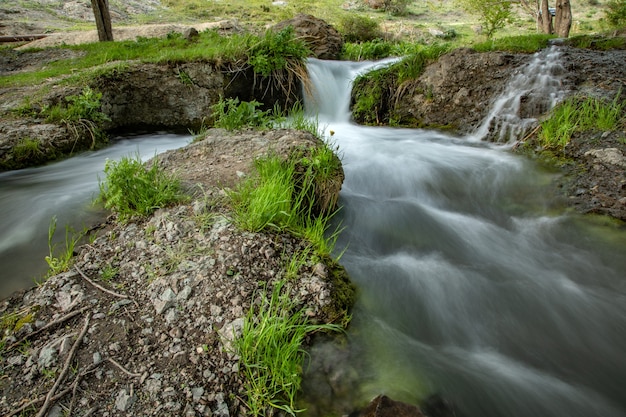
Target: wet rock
383 406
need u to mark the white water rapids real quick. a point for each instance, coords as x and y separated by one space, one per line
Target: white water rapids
473 283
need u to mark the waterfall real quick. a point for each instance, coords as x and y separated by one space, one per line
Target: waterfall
533 90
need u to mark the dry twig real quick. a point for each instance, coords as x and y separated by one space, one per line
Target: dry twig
121 368
101 288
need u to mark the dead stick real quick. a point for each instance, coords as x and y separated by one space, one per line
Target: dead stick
121 368
49 325
66 367
101 288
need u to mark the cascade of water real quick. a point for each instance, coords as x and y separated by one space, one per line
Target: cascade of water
330 100
533 90
468 285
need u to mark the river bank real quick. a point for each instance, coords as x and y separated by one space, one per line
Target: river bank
160 300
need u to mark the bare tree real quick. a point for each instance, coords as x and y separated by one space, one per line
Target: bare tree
103 19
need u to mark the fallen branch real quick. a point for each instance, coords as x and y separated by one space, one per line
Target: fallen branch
121 368
100 287
49 325
44 408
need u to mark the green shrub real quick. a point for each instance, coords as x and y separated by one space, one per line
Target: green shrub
616 13
277 51
131 188
493 15
231 114
85 106
271 351
356 28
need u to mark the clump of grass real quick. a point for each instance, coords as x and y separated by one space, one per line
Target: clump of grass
579 114
276 51
28 149
294 195
60 261
131 188
271 351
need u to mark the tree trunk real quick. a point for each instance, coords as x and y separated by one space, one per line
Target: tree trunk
545 18
103 19
563 18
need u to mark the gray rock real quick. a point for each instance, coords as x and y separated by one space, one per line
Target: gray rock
47 358
124 401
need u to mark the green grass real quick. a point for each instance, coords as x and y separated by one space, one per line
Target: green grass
524 43
285 195
579 114
60 260
131 188
271 351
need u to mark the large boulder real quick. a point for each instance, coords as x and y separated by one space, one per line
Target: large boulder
324 40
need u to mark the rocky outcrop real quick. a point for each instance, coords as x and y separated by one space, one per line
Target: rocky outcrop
455 92
324 40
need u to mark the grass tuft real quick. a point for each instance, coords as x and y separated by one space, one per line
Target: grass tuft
271 351
134 189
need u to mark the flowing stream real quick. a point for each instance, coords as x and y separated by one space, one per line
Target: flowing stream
474 283
30 198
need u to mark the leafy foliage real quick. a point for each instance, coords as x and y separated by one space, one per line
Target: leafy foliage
276 50
85 106
231 114
616 13
132 188
494 14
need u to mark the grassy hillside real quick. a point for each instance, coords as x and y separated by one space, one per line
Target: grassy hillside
416 23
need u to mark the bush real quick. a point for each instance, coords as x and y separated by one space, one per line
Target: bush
355 28
494 15
131 188
616 13
231 114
